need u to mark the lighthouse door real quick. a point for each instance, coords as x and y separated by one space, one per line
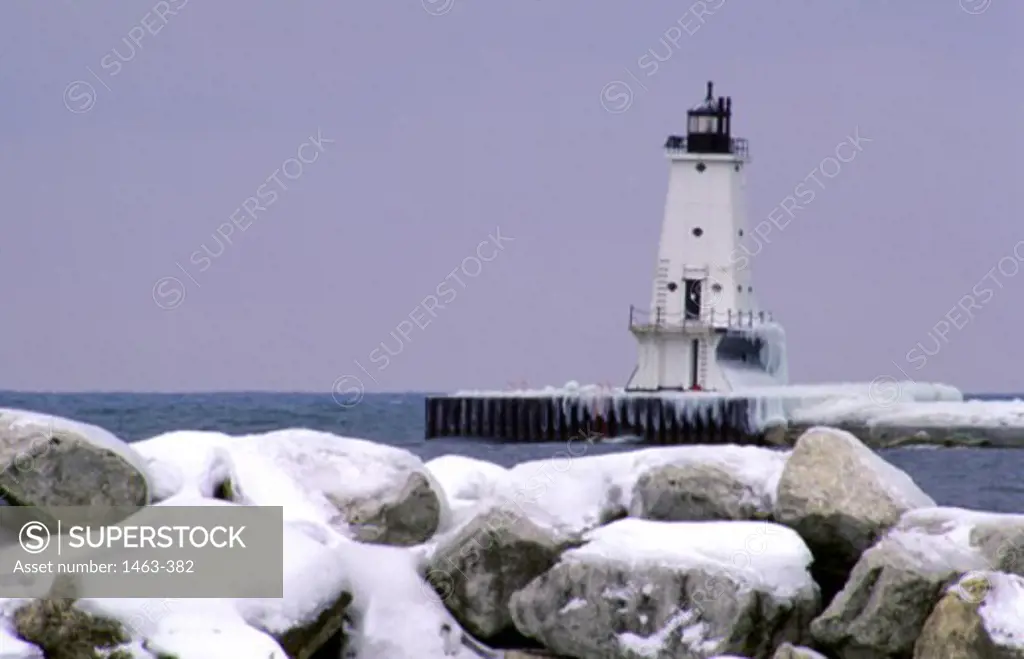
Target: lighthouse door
692 302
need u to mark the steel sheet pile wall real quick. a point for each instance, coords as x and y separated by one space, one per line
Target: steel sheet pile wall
724 420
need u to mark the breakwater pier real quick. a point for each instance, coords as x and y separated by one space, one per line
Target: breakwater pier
655 418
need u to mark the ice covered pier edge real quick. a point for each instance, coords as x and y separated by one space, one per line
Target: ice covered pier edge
905 412
690 418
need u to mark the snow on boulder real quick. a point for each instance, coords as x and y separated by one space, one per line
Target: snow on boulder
59 629
841 497
395 614
467 482
12 647
576 492
476 570
198 639
368 491
381 493
895 584
311 612
982 615
52 461
672 589
187 462
790 651
784 651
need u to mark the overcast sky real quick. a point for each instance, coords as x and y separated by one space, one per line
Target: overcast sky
426 127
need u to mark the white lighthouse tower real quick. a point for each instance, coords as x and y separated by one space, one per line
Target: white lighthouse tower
704 330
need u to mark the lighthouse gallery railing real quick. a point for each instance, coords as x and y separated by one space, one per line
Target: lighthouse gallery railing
659 320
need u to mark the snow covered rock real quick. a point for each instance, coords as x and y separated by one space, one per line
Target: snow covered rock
698 492
52 461
395 614
477 569
310 615
672 589
193 639
785 651
187 462
367 491
790 651
579 492
64 632
981 616
467 482
841 497
382 493
895 584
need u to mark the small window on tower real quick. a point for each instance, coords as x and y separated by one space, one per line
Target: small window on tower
697 231
750 289
741 232
716 288
701 167
739 289
672 286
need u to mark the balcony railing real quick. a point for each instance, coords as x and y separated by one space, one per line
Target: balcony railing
659 321
738 146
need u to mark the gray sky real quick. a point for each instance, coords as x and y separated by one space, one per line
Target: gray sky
443 121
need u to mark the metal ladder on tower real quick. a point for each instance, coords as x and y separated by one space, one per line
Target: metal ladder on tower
662 281
702 363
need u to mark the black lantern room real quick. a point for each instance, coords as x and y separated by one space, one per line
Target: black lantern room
709 128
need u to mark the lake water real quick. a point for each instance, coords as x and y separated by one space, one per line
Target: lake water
987 479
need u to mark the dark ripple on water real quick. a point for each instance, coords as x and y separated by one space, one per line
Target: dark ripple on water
986 479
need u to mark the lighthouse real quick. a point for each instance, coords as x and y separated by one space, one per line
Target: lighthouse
703 329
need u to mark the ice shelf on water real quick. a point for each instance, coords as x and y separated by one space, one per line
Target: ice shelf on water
942 413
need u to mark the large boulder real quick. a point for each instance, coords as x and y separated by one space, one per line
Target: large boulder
673 589
404 515
63 631
468 482
368 491
790 651
698 492
893 588
580 492
309 617
841 497
382 494
51 461
477 569
395 614
981 617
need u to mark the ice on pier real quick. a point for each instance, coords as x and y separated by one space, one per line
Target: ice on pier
771 368
918 414
819 403
770 404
